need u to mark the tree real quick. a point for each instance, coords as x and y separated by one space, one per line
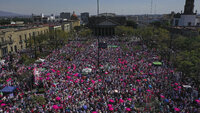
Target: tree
124 31
131 23
85 33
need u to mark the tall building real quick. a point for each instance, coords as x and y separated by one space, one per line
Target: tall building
189 7
85 17
65 15
188 18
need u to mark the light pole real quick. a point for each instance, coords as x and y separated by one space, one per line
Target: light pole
98 53
35 45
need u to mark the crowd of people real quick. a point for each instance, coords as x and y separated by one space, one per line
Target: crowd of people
124 81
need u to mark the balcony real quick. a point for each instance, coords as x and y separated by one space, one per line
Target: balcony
11 42
4 43
20 42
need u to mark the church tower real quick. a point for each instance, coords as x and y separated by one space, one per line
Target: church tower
189 7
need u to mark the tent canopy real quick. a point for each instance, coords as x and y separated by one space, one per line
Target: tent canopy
157 63
8 89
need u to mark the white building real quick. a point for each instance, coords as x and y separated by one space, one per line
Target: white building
188 18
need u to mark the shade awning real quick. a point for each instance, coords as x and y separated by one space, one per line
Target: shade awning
8 89
157 63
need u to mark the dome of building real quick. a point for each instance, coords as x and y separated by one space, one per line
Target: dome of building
74 16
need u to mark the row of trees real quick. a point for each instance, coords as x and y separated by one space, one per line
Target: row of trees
180 51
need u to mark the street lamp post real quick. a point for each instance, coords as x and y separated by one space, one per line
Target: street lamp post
35 45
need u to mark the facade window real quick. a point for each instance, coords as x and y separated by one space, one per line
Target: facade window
176 22
10 39
2 39
25 36
4 51
15 48
21 46
20 37
189 23
11 48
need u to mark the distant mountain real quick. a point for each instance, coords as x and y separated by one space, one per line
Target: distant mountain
9 14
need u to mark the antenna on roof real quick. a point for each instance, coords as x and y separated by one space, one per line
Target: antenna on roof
151 6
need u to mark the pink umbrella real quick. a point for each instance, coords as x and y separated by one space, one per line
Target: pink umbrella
138 80
94 112
162 96
55 107
148 90
176 84
53 70
109 105
134 89
198 101
111 109
68 77
93 81
76 74
176 109
128 109
111 100
129 99
58 98
106 73
121 100
99 80
48 74
3 104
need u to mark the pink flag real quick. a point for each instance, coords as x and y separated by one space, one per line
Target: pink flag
9 80
74 67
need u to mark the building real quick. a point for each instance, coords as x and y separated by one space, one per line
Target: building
65 15
104 25
66 27
16 39
188 18
85 18
54 27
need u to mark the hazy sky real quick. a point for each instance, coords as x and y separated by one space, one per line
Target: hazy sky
116 6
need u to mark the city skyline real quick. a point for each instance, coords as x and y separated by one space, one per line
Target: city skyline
127 7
